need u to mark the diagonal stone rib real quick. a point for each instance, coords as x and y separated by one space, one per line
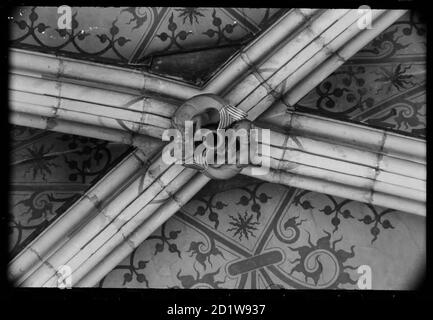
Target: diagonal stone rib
66 69
294 46
366 174
81 129
121 228
89 204
341 55
115 218
50 101
96 272
92 270
343 133
308 59
258 49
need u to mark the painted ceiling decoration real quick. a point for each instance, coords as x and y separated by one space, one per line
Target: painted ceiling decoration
49 172
175 42
83 196
245 233
383 85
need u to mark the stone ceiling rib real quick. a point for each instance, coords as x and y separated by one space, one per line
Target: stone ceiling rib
257 50
97 197
65 69
344 133
80 129
369 175
341 55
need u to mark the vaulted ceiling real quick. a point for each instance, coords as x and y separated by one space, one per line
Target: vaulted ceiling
382 86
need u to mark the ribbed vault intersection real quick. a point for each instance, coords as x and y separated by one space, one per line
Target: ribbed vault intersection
141 192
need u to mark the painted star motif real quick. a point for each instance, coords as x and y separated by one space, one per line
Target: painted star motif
191 13
243 226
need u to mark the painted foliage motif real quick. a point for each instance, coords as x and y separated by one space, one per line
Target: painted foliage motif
245 233
140 37
383 85
49 171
